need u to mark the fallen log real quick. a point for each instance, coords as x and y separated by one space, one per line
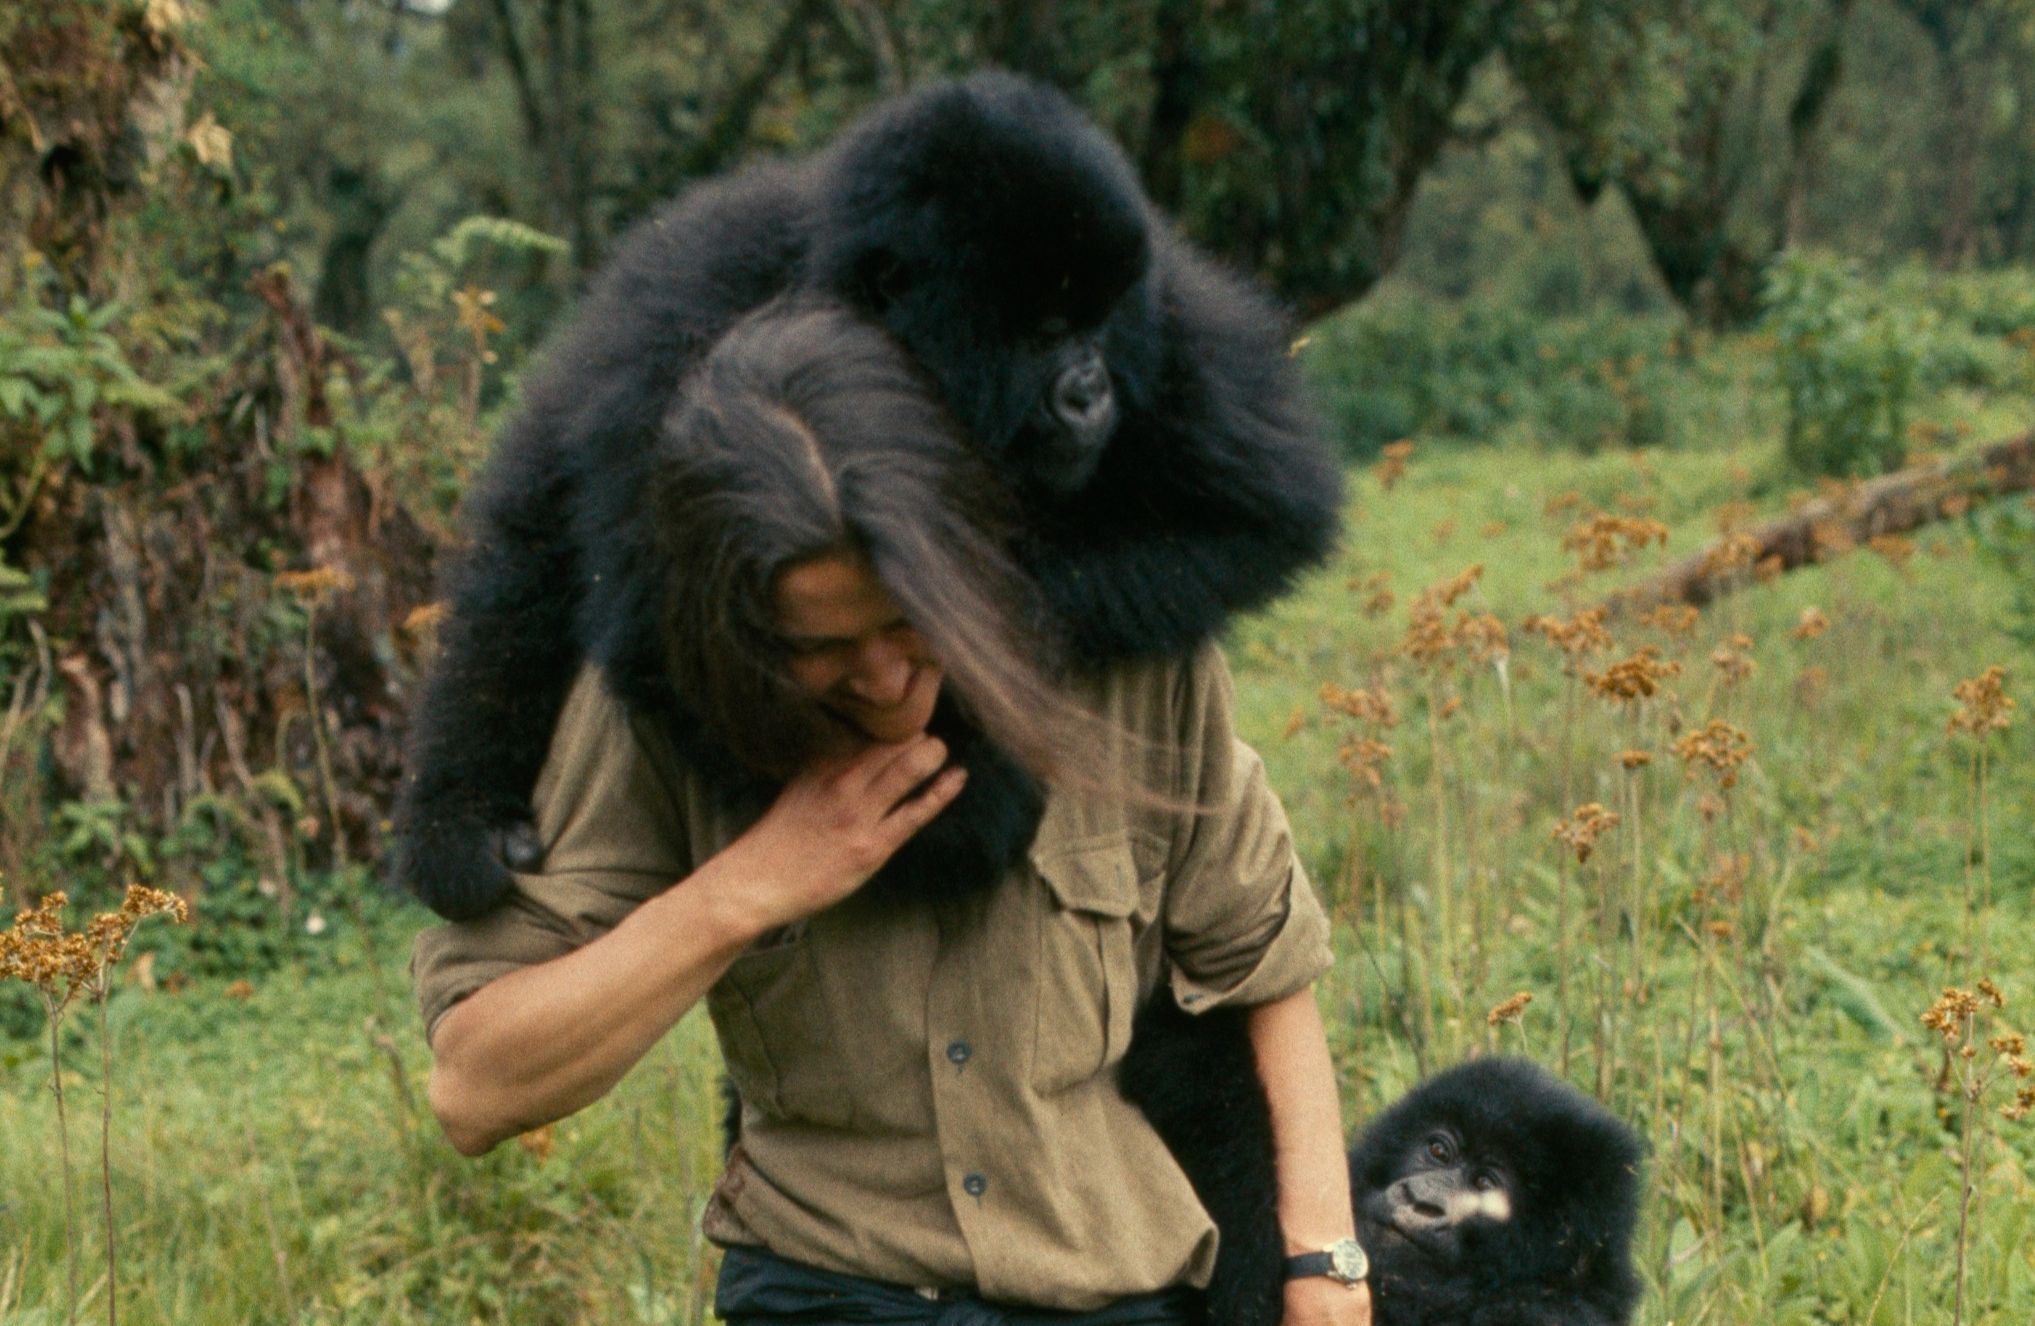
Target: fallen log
1829 526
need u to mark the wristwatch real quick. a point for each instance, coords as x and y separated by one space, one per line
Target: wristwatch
1342 1261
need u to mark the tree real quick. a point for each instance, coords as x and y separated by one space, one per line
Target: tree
1704 113
1961 35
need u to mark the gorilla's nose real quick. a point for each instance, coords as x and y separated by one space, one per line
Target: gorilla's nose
1082 393
1420 1204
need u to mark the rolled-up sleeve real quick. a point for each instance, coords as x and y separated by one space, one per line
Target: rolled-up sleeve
613 838
1243 925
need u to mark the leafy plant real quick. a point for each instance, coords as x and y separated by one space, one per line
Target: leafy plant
1848 363
57 366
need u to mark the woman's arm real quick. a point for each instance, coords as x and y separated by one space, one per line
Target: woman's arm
1307 1134
543 1041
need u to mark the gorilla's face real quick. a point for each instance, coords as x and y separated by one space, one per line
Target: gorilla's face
1037 381
1074 416
1440 1194
1497 1173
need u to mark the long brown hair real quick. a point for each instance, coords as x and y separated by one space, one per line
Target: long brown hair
808 432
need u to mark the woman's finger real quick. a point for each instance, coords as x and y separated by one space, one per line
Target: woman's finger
914 813
919 760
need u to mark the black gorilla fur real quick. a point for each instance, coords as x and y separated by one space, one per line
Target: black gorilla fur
976 220
1196 1079
1570 1173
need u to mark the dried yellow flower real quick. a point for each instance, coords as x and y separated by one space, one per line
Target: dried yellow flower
1377 590
1563 503
1951 1015
1604 541
1897 549
1633 679
1370 706
1392 465
1719 746
1734 515
425 616
1677 619
1431 638
315 584
1582 634
1590 822
1510 1010
1985 706
1733 659
1734 552
1445 593
539 1141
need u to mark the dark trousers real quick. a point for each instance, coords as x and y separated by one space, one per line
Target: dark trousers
758 1288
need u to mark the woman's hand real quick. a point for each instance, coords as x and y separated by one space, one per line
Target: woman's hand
1316 1300
835 824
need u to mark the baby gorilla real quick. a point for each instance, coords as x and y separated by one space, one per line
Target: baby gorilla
1489 1195
1495 1195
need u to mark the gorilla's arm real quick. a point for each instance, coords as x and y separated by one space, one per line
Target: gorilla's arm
1196 1079
481 727
532 594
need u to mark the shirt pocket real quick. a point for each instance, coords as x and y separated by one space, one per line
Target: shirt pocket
1087 979
776 1034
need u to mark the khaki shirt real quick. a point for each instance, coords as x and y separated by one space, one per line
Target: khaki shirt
929 1094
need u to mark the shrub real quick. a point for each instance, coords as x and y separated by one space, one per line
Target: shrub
1848 361
1395 367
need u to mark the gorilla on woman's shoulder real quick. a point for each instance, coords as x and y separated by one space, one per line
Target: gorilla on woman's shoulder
1494 1194
1139 401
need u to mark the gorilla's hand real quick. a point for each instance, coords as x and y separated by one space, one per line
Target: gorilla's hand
516 846
466 854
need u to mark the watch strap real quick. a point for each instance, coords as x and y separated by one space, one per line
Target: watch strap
1310 1263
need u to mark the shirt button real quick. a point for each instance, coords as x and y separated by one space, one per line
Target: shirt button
958 1052
975 1185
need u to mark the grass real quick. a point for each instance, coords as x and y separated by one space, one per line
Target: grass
1739 971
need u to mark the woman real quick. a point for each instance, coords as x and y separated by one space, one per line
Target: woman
921 967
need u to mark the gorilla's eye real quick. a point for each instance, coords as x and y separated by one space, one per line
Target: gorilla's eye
1485 1181
1442 1148
1054 329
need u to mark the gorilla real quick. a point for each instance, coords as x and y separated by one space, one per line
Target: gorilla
1495 1194
1490 1195
1137 401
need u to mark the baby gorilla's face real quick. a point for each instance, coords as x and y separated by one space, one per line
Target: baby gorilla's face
1440 1191
849 647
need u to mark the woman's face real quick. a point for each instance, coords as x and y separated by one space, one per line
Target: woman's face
850 648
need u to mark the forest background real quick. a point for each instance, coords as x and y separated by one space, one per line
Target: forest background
1594 295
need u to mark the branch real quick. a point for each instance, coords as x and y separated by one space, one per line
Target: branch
706 155
519 68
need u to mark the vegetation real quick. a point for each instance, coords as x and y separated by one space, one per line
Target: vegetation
1592 286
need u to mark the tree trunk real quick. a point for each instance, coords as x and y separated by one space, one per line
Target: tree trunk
1829 526
1820 79
344 300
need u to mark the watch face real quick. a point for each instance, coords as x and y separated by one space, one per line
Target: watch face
1350 1262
